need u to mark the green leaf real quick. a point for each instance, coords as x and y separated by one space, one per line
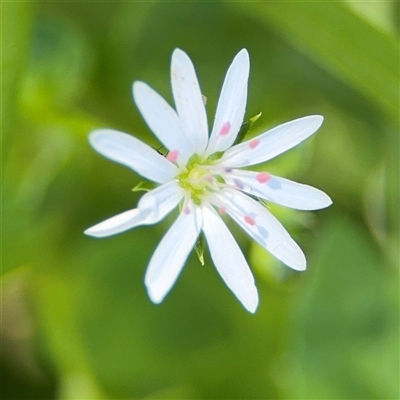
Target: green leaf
16 26
339 41
54 296
346 327
60 63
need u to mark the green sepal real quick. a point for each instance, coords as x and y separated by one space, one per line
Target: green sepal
262 202
245 128
199 248
144 186
215 156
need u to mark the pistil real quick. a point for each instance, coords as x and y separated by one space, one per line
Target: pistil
199 180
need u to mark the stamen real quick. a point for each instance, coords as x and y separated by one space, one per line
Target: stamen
225 128
222 210
263 177
228 170
254 143
173 155
249 220
239 184
186 210
209 178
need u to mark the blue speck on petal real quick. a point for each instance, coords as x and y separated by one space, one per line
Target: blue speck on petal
274 184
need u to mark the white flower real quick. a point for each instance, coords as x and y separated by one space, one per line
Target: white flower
202 174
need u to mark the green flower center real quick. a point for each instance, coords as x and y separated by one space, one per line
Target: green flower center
199 179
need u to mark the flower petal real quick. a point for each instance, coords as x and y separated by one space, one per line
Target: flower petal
127 150
119 223
278 190
229 260
188 100
163 120
153 207
231 104
170 255
262 226
271 143
161 200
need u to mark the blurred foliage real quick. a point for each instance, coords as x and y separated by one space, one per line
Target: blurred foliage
76 321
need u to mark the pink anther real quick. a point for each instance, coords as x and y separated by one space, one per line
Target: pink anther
225 128
173 155
186 210
263 177
254 143
249 220
222 210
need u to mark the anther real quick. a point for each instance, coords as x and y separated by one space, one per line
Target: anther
249 220
239 184
263 177
209 178
225 128
173 155
254 143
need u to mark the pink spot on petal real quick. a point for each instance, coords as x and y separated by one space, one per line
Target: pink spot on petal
173 155
254 143
222 210
228 170
225 128
249 220
186 210
263 177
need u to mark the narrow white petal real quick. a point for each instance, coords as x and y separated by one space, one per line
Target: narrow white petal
188 99
262 226
278 190
170 255
153 207
271 143
231 104
163 120
229 260
119 223
133 153
161 201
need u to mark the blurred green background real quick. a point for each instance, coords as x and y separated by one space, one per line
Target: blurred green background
76 319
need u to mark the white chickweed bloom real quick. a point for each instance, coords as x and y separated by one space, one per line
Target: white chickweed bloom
203 175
